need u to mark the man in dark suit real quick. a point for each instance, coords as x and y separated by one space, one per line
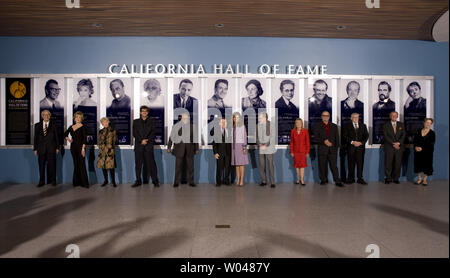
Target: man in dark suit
327 147
355 135
222 153
394 138
144 133
46 144
183 99
184 148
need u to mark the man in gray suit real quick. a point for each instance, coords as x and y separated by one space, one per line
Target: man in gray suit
327 137
265 139
184 148
394 137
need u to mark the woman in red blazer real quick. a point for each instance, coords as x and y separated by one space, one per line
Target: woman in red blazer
299 149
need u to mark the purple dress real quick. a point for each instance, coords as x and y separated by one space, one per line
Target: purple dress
239 143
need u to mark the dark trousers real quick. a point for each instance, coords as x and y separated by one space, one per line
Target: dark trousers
48 160
80 177
147 156
189 167
355 157
105 175
223 169
325 159
392 163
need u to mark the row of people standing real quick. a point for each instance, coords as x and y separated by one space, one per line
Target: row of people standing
233 151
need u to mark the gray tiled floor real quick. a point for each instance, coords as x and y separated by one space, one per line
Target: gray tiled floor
289 221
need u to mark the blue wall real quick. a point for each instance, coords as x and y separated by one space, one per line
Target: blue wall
93 55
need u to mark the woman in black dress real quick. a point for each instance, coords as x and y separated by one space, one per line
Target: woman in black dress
423 151
78 131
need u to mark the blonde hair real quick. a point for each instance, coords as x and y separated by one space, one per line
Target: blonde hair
295 123
78 113
104 119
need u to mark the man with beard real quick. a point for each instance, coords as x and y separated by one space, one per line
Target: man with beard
381 111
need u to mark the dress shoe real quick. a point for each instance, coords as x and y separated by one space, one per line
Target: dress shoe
296 182
114 184
396 182
104 183
424 184
156 184
86 186
217 184
263 184
339 184
41 184
387 181
302 183
272 185
192 184
350 182
175 185
362 182
323 182
136 184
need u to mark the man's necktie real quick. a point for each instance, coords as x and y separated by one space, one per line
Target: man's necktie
45 129
53 106
395 128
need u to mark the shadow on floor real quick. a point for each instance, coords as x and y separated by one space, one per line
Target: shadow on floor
19 215
432 224
149 247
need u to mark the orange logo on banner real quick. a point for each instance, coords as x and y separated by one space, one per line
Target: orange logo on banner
17 89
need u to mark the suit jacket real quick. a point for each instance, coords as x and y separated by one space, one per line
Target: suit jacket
143 130
45 144
189 102
269 142
179 149
283 108
350 134
321 135
222 148
390 137
43 104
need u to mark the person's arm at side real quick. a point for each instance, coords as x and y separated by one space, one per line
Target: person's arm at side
36 138
388 139
346 135
401 139
136 133
365 136
56 138
84 139
291 144
336 135
152 133
66 134
308 144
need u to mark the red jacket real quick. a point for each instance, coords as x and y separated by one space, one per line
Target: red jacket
300 142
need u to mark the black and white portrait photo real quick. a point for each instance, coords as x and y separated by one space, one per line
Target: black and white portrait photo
414 107
382 92
253 101
153 92
286 99
186 96
120 99
52 98
351 102
320 100
119 107
220 98
85 99
252 95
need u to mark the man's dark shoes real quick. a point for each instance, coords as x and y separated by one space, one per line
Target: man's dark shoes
339 184
362 182
136 184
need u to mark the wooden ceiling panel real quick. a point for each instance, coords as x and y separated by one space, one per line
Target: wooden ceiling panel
395 19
